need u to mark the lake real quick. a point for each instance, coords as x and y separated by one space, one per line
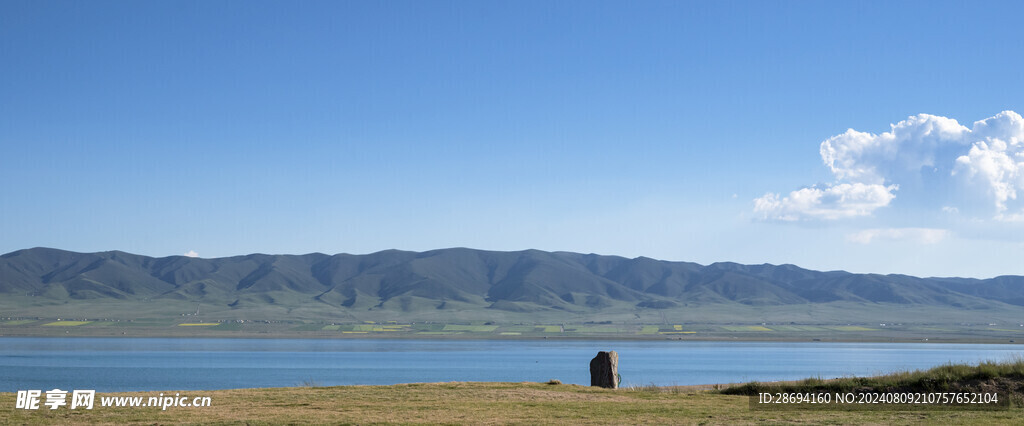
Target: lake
142 364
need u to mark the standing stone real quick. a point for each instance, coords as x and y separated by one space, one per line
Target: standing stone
604 370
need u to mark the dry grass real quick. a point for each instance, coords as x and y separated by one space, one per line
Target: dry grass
938 379
479 403
60 323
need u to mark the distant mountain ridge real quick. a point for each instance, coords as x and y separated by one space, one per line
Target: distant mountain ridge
521 281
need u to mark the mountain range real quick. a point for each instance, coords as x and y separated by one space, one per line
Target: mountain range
523 282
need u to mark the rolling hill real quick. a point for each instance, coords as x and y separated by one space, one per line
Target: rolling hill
451 282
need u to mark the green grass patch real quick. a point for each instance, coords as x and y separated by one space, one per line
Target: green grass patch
797 328
944 330
550 328
428 327
649 329
199 324
593 329
950 377
229 326
67 323
473 328
19 322
746 328
146 324
308 327
332 327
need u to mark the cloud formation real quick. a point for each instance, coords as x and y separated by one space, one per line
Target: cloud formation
911 144
191 253
833 202
922 155
917 235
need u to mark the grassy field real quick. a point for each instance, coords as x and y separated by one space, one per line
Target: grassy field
555 403
1005 377
481 403
747 328
473 328
209 326
839 321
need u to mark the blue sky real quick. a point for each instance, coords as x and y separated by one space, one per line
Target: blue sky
674 130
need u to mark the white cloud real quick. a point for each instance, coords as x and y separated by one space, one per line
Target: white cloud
191 253
840 201
911 144
927 156
997 161
917 235
1010 217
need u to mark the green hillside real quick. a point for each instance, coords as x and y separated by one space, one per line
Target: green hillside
461 285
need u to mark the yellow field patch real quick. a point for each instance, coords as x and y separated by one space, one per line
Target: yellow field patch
67 323
678 327
198 324
677 332
476 328
852 328
510 333
354 332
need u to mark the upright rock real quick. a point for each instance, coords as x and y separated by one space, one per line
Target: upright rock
604 370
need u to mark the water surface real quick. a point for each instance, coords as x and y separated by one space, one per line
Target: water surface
141 364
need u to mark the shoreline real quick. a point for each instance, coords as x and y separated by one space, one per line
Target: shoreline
26 332
625 388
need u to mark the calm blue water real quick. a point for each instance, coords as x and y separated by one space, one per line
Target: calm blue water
141 364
